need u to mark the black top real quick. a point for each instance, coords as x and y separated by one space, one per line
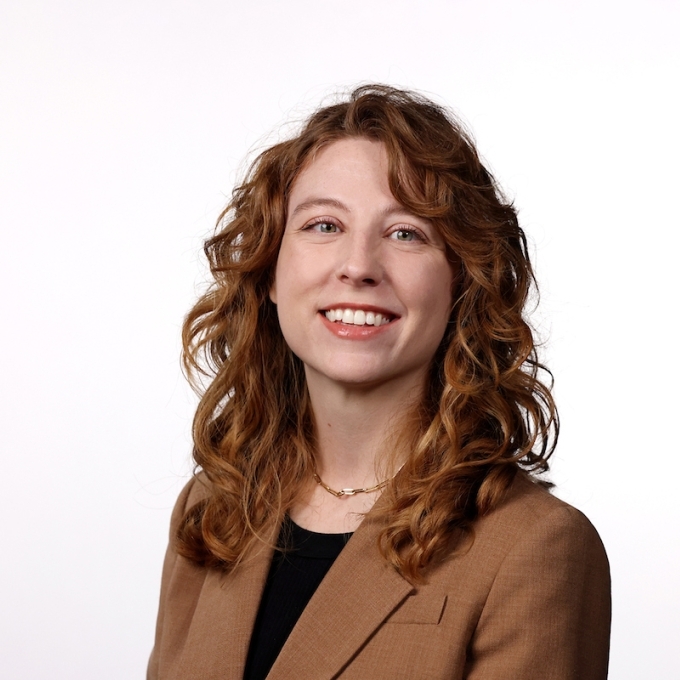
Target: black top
295 574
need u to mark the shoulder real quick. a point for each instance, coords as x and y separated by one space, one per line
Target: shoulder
181 583
527 596
197 489
529 523
537 537
533 547
534 581
530 512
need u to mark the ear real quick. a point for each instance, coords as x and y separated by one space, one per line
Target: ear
272 292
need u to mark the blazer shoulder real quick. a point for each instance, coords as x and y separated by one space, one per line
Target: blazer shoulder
193 492
528 507
532 526
546 606
181 585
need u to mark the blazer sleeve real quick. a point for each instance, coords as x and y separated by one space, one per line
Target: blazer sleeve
547 615
168 568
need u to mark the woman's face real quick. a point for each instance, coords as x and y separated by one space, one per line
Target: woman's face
363 288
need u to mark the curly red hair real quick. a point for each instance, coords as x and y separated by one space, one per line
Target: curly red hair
485 416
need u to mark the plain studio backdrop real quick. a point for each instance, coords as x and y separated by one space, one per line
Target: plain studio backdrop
123 127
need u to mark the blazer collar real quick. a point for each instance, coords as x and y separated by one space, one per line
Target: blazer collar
221 624
356 596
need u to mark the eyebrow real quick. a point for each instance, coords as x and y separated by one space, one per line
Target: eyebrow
395 209
320 202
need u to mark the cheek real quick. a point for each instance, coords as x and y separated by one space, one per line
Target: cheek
278 293
290 293
435 290
436 301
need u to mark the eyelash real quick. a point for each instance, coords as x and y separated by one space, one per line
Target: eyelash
324 220
409 230
320 221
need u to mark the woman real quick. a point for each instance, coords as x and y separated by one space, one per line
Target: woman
368 505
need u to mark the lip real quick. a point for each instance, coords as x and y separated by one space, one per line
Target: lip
351 332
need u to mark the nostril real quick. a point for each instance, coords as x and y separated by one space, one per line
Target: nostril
363 279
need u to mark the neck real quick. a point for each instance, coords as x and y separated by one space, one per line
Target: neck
354 427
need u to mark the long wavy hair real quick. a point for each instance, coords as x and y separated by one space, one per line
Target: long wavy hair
485 415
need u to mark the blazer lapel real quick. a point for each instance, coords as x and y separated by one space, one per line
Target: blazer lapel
356 596
217 643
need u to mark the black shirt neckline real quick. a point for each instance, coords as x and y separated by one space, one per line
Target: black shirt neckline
306 543
300 563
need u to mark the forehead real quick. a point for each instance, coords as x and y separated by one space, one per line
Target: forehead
352 166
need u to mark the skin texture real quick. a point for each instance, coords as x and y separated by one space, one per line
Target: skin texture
362 250
349 244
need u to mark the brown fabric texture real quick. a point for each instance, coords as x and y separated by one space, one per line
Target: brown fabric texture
529 599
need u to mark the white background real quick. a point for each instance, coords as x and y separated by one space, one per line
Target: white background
123 126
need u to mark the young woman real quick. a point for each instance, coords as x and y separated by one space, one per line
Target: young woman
368 504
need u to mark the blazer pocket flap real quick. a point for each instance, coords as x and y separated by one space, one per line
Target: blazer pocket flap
420 609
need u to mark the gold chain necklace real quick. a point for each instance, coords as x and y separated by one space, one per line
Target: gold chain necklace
351 492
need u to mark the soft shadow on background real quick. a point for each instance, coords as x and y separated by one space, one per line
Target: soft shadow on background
123 126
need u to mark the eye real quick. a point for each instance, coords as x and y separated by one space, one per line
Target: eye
322 226
406 235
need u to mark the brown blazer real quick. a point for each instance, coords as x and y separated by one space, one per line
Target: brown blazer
530 600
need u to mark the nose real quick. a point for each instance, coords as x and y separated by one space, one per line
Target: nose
360 263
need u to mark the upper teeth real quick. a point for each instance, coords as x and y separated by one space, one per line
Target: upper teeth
358 317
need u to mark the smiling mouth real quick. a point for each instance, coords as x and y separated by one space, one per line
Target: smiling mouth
357 317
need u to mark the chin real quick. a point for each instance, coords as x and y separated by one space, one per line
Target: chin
361 375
